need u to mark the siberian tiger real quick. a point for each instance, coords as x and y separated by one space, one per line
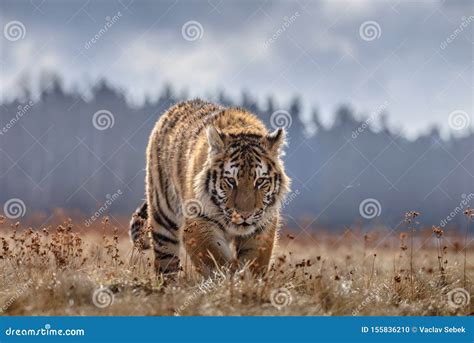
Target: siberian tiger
215 184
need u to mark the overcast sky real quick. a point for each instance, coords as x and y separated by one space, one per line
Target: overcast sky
366 53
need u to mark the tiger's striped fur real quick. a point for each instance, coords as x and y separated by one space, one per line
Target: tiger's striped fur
214 179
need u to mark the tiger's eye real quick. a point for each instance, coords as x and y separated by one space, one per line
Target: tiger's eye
260 182
231 182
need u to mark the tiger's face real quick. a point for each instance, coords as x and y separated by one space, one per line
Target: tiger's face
245 179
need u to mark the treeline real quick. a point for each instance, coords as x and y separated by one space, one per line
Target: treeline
55 153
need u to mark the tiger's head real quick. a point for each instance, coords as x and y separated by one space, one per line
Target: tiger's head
244 179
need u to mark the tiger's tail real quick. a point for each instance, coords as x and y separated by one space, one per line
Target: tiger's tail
138 229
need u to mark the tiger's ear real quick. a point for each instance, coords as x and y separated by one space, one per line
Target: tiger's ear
216 139
276 140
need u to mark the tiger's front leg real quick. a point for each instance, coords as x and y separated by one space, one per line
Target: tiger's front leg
206 244
257 249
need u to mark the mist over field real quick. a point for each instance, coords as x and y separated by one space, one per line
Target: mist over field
62 151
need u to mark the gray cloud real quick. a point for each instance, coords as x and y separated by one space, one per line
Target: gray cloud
311 48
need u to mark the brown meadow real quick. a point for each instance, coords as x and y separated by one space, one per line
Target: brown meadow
71 270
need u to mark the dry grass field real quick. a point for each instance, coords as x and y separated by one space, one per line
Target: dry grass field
69 270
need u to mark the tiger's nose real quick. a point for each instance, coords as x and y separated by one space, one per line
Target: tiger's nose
243 214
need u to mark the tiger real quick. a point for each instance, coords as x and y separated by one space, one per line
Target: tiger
215 184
